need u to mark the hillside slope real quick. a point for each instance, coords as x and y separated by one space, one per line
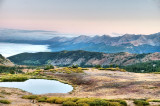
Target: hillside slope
126 43
5 62
82 58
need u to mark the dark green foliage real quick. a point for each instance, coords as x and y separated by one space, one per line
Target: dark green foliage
5 102
98 66
154 101
43 58
42 99
11 70
122 102
47 67
147 67
141 102
74 66
30 97
99 102
111 66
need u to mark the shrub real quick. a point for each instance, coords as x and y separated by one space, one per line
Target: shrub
102 69
5 102
82 104
71 99
77 101
30 97
51 99
59 100
99 102
98 66
74 66
47 67
154 100
122 102
42 99
141 102
12 78
69 103
69 70
84 100
114 104
85 69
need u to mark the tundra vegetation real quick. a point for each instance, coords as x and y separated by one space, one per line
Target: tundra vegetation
77 101
92 86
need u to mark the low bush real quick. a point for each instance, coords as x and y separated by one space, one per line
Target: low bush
141 102
77 101
98 66
114 104
5 102
71 99
85 69
12 78
122 102
68 70
70 103
99 102
59 100
102 69
47 67
51 99
85 100
30 97
74 66
42 99
82 104
154 100
116 69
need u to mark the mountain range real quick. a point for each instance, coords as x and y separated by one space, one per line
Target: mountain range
127 43
82 58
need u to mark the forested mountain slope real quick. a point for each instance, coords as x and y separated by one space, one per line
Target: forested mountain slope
82 58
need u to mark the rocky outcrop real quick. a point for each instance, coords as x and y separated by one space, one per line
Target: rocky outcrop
5 62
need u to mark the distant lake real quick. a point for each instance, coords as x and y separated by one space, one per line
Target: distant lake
39 86
9 49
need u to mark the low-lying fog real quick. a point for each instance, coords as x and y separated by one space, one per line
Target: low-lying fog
9 49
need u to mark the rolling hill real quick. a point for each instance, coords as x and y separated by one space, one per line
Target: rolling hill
82 58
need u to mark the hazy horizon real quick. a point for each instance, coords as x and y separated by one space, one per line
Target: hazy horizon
82 17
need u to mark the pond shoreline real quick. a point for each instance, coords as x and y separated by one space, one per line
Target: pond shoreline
39 86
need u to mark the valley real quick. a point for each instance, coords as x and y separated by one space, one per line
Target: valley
79 52
106 84
92 83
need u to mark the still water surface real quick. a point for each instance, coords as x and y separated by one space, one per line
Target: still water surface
39 86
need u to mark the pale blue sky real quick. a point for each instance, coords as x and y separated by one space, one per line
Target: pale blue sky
82 16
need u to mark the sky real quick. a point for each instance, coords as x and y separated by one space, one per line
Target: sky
87 17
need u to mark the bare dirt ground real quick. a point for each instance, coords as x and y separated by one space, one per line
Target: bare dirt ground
99 84
124 85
